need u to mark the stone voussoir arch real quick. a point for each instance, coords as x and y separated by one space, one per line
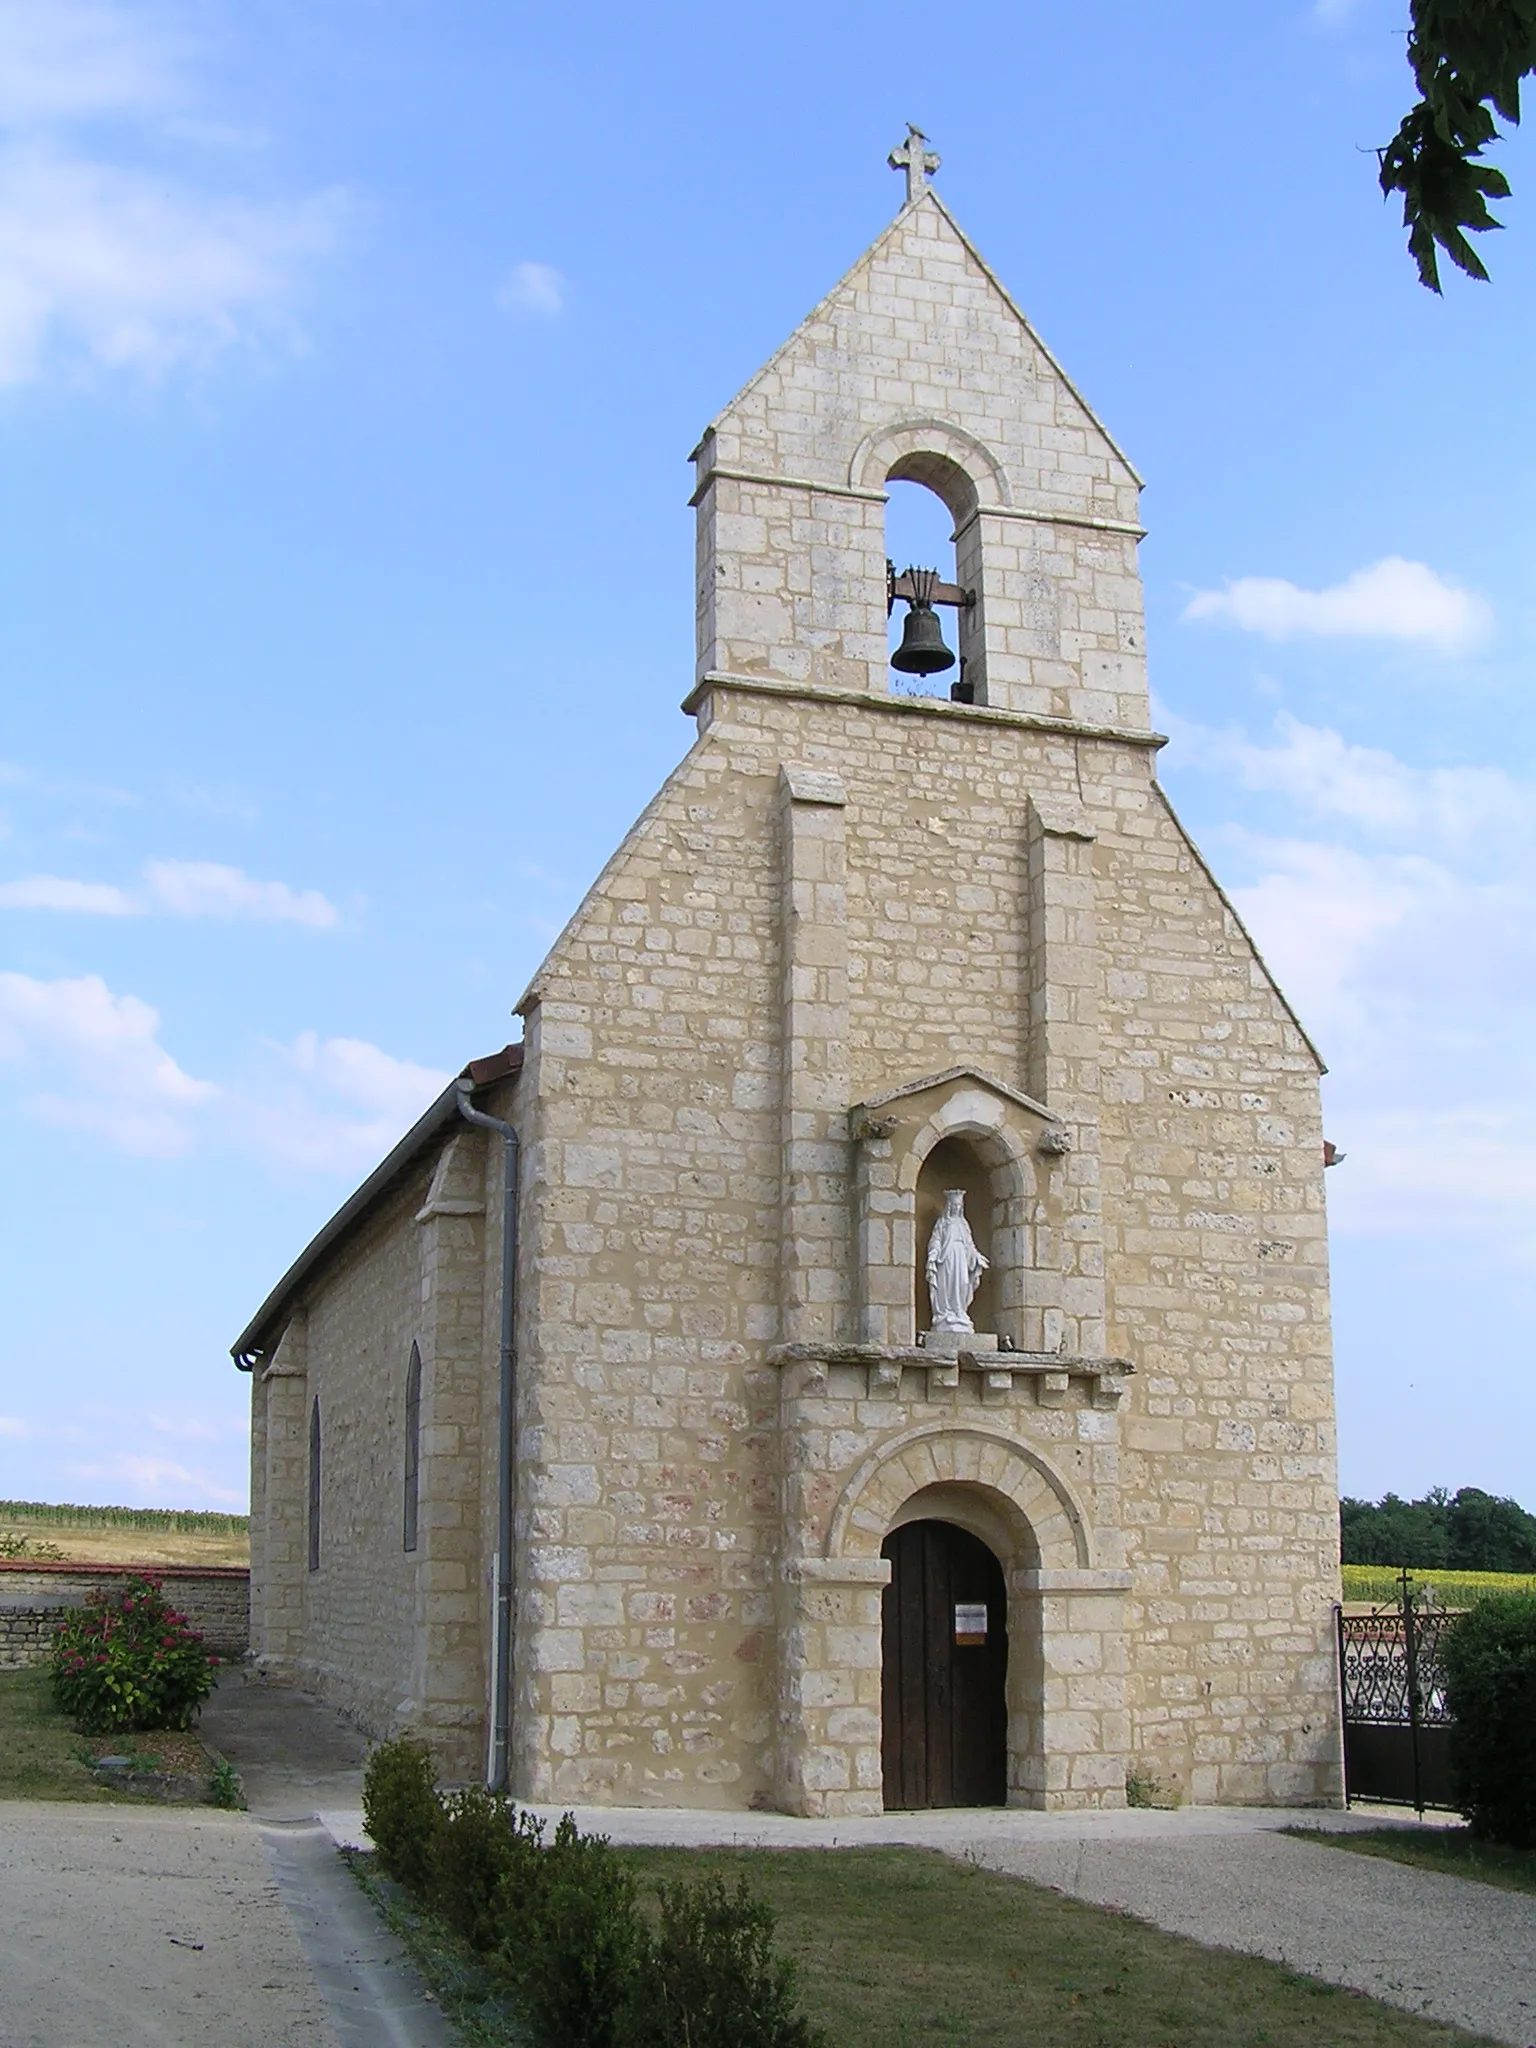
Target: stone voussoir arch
897 450
937 1453
970 1113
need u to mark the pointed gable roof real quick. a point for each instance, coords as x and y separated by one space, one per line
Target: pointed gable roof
996 374
976 1077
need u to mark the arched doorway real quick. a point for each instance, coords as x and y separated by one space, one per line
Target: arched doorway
944 1670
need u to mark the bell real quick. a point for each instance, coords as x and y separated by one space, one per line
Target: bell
922 651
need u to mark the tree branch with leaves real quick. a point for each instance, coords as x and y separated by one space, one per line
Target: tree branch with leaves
1467 56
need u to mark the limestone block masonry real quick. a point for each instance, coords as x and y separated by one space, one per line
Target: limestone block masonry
862 945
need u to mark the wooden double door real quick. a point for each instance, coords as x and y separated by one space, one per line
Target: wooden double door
944 1670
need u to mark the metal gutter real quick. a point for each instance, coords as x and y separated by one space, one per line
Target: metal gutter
504 1594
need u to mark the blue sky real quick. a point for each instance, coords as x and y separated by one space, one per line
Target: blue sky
349 356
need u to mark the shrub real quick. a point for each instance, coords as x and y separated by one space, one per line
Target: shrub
128 1660
1490 1669
572 1941
224 1787
402 1813
560 1922
482 1844
713 1979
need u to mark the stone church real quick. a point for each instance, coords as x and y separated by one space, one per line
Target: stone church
616 1435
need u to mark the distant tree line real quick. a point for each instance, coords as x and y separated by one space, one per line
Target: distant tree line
1468 1531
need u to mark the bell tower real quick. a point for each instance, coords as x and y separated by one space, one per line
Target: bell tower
919 367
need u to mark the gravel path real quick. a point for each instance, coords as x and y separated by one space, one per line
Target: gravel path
1445 1946
128 1927
146 1929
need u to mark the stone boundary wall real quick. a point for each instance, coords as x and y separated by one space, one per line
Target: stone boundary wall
24 1632
216 1599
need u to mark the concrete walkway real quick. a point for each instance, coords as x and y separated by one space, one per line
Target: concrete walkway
372 1994
294 1755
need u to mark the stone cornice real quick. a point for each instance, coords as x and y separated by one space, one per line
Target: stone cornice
771 482
917 707
1002 1373
1038 515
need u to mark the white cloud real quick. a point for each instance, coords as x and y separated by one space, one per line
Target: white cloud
13 1426
71 59
1468 1168
336 1106
56 892
1319 910
157 1480
184 888
107 264
1402 925
130 271
92 1060
203 888
533 288
101 1061
1330 777
362 1073
1419 982
1391 600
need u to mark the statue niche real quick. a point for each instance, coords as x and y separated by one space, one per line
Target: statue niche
954 1267
953 1167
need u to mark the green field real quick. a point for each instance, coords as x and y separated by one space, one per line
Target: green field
38 1530
1382 1586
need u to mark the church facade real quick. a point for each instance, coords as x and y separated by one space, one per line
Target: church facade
606 1436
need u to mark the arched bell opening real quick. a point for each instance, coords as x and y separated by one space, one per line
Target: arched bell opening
930 525
931 639
956 1163
919 535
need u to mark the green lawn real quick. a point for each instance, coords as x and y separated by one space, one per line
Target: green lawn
41 1756
1454 1851
904 1948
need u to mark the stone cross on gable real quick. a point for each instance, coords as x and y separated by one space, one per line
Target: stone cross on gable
917 160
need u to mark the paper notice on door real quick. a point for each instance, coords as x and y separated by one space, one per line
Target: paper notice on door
970 1625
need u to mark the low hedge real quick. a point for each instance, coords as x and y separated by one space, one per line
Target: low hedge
1490 1672
561 1922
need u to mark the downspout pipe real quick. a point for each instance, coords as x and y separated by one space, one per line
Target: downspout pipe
506 1474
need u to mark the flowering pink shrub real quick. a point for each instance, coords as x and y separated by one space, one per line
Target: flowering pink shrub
127 1660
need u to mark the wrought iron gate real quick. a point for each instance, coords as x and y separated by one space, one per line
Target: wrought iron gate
1397 1728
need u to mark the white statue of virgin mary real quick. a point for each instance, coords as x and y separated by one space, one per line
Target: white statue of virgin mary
954 1266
